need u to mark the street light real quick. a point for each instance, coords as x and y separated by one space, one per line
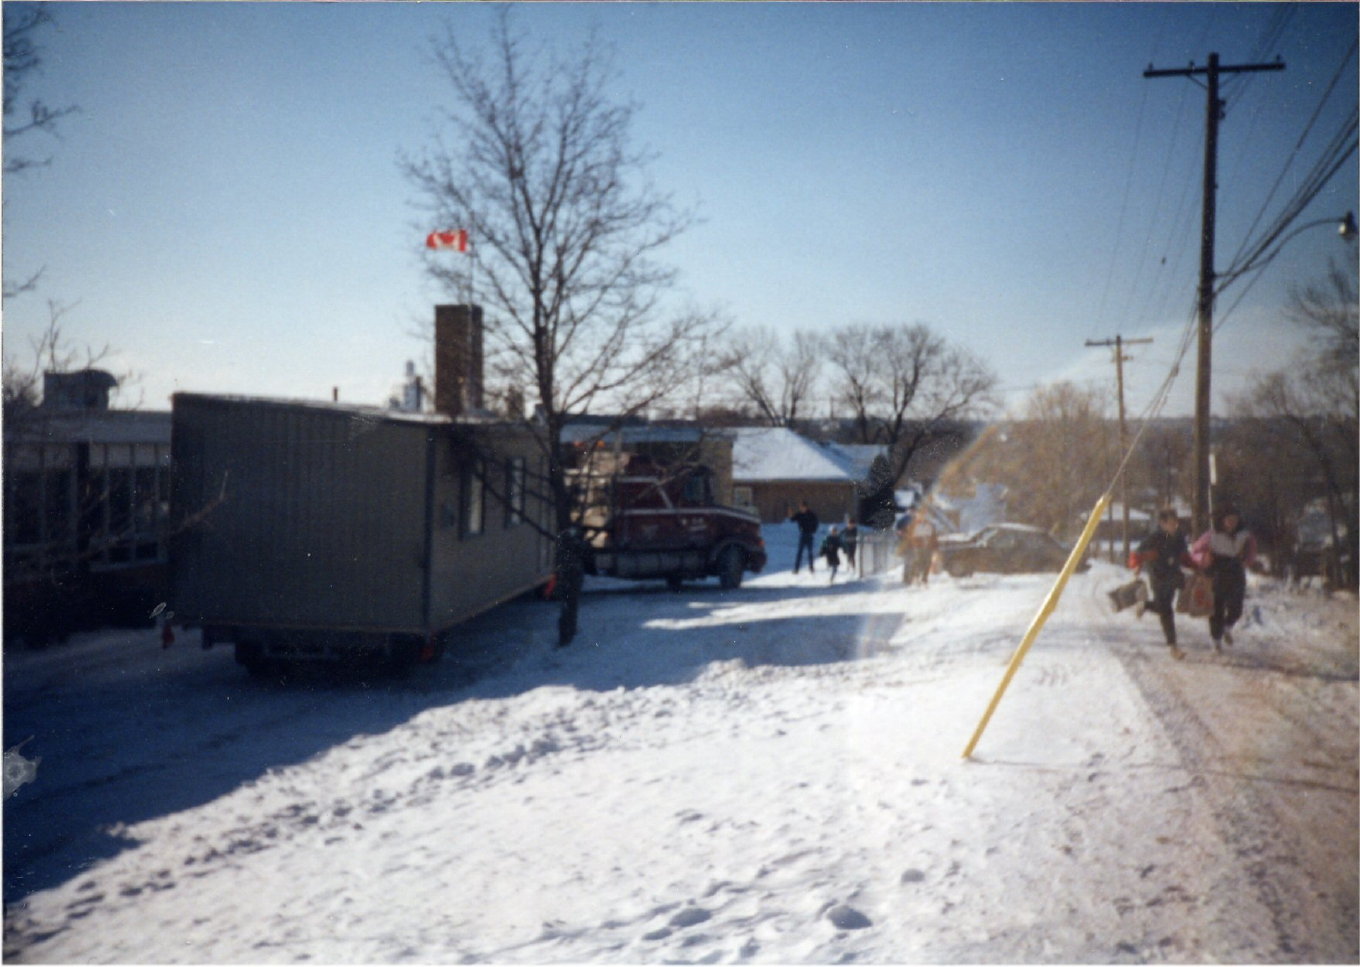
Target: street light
1345 227
1210 286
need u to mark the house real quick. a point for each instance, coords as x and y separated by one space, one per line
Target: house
774 469
86 505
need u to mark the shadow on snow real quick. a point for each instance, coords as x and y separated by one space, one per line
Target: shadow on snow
118 749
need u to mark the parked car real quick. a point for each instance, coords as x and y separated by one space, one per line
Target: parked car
1005 549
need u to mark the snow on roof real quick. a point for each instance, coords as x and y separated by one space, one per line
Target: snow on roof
860 456
778 453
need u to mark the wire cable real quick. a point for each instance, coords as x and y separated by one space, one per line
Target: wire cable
1298 146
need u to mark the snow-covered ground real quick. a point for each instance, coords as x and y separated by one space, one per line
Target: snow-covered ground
773 774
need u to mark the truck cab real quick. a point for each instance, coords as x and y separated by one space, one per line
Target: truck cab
650 521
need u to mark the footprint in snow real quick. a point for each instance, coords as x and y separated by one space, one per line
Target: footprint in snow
689 916
848 918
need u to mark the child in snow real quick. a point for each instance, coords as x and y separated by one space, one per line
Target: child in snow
1225 551
850 541
831 550
1161 556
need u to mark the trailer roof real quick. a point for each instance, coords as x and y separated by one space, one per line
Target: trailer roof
357 410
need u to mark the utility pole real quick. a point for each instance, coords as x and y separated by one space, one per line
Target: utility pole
1205 302
1119 342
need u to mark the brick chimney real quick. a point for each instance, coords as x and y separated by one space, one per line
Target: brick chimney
457 359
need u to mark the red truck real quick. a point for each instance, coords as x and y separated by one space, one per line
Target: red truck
648 522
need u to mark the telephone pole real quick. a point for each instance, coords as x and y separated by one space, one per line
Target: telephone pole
1119 342
1205 302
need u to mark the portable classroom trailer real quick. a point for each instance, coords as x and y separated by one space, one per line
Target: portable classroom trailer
319 530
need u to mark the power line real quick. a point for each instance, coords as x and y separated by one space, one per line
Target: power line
1298 146
1338 151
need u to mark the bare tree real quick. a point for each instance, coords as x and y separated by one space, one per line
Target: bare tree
1054 460
23 117
775 376
535 161
51 351
903 383
1314 405
1329 311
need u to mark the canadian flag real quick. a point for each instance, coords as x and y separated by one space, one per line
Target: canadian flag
456 240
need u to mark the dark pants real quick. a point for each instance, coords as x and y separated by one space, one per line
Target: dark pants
804 543
569 589
1162 604
1230 592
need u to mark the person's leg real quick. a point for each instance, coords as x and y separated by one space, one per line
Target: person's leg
1217 618
1236 593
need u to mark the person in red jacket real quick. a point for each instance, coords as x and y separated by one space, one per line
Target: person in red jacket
1161 555
1225 552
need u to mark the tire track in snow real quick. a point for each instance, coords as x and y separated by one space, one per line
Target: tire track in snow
1248 823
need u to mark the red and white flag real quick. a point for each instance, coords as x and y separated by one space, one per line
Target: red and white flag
456 240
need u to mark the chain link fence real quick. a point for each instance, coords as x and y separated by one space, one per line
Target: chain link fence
876 552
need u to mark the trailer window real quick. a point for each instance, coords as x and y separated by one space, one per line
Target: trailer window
474 501
514 491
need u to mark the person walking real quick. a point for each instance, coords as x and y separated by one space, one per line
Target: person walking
1160 557
572 551
925 540
850 541
831 550
807 530
1225 551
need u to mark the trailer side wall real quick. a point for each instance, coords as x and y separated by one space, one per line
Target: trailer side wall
481 556
300 516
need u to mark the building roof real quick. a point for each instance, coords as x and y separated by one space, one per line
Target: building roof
93 426
860 456
770 454
579 430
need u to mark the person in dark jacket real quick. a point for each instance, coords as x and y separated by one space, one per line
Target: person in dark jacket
572 551
807 530
831 550
1225 552
1160 557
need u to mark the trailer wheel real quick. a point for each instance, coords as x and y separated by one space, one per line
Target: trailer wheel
731 564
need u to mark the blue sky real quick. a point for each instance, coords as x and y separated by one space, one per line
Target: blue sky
226 208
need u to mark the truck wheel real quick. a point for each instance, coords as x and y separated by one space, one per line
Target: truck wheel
731 564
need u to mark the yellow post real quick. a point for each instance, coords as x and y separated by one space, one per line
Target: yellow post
1050 602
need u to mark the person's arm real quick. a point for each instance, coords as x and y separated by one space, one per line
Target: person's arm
1199 552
